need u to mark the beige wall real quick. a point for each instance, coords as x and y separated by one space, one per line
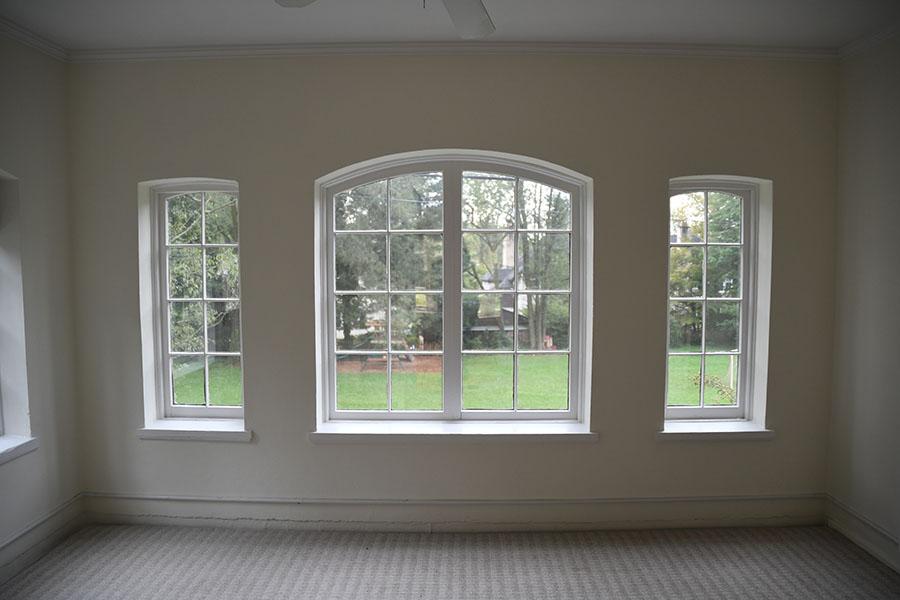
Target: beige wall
275 125
32 148
864 450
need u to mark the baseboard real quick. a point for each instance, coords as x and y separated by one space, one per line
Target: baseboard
459 515
864 532
38 537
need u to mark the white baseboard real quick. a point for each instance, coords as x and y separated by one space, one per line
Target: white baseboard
458 515
864 532
39 536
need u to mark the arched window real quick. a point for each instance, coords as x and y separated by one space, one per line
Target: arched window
453 285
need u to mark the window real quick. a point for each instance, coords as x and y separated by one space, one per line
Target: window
195 299
717 297
454 286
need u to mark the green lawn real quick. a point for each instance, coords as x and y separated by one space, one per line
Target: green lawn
225 386
684 380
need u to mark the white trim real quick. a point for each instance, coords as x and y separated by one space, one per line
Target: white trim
29 38
204 430
14 446
864 532
712 429
461 431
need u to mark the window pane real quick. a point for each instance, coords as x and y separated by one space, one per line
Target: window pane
359 262
488 201
686 222
222 273
361 322
721 379
416 262
416 322
543 382
416 382
685 326
225 381
183 219
487 381
362 382
684 381
723 272
185 273
685 272
488 261
221 218
724 218
488 321
544 261
186 326
188 381
417 201
223 326
543 321
722 326
544 207
363 207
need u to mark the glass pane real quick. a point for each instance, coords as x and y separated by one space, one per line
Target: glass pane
685 272
543 382
416 262
683 384
417 201
361 322
686 222
488 201
544 261
359 262
222 273
221 218
186 326
223 326
362 382
188 384
544 207
416 322
685 326
363 207
487 381
416 382
488 321
721 380
225 381
724 218
723 272
183 219
723 322
488 261
543 321
185 273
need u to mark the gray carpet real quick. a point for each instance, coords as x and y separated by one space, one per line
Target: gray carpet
134 562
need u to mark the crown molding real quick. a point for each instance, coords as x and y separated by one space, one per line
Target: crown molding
447 48
29 38
869 42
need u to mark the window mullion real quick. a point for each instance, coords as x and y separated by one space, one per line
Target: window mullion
452 293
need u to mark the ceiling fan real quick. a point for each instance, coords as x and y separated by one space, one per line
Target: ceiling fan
470 17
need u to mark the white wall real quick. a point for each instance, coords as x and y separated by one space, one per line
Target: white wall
32 148
864 449
274 125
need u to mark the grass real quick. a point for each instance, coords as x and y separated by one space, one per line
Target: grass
684 381
225 385
487 384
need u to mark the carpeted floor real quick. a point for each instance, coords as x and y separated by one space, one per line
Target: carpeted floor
134 562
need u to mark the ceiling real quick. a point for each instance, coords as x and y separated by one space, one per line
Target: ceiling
129 24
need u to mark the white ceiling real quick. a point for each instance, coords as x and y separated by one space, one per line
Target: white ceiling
121 24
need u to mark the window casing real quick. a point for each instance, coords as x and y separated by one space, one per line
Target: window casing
719 265
479 352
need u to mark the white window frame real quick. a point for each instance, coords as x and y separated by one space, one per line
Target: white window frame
158 403
756 274
452 164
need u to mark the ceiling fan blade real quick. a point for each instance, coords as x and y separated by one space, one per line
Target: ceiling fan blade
294 3
470 18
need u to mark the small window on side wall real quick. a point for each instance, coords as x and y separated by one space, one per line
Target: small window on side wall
719 277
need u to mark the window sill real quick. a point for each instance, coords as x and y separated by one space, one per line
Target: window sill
466 431
204 430
14 446
714 430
